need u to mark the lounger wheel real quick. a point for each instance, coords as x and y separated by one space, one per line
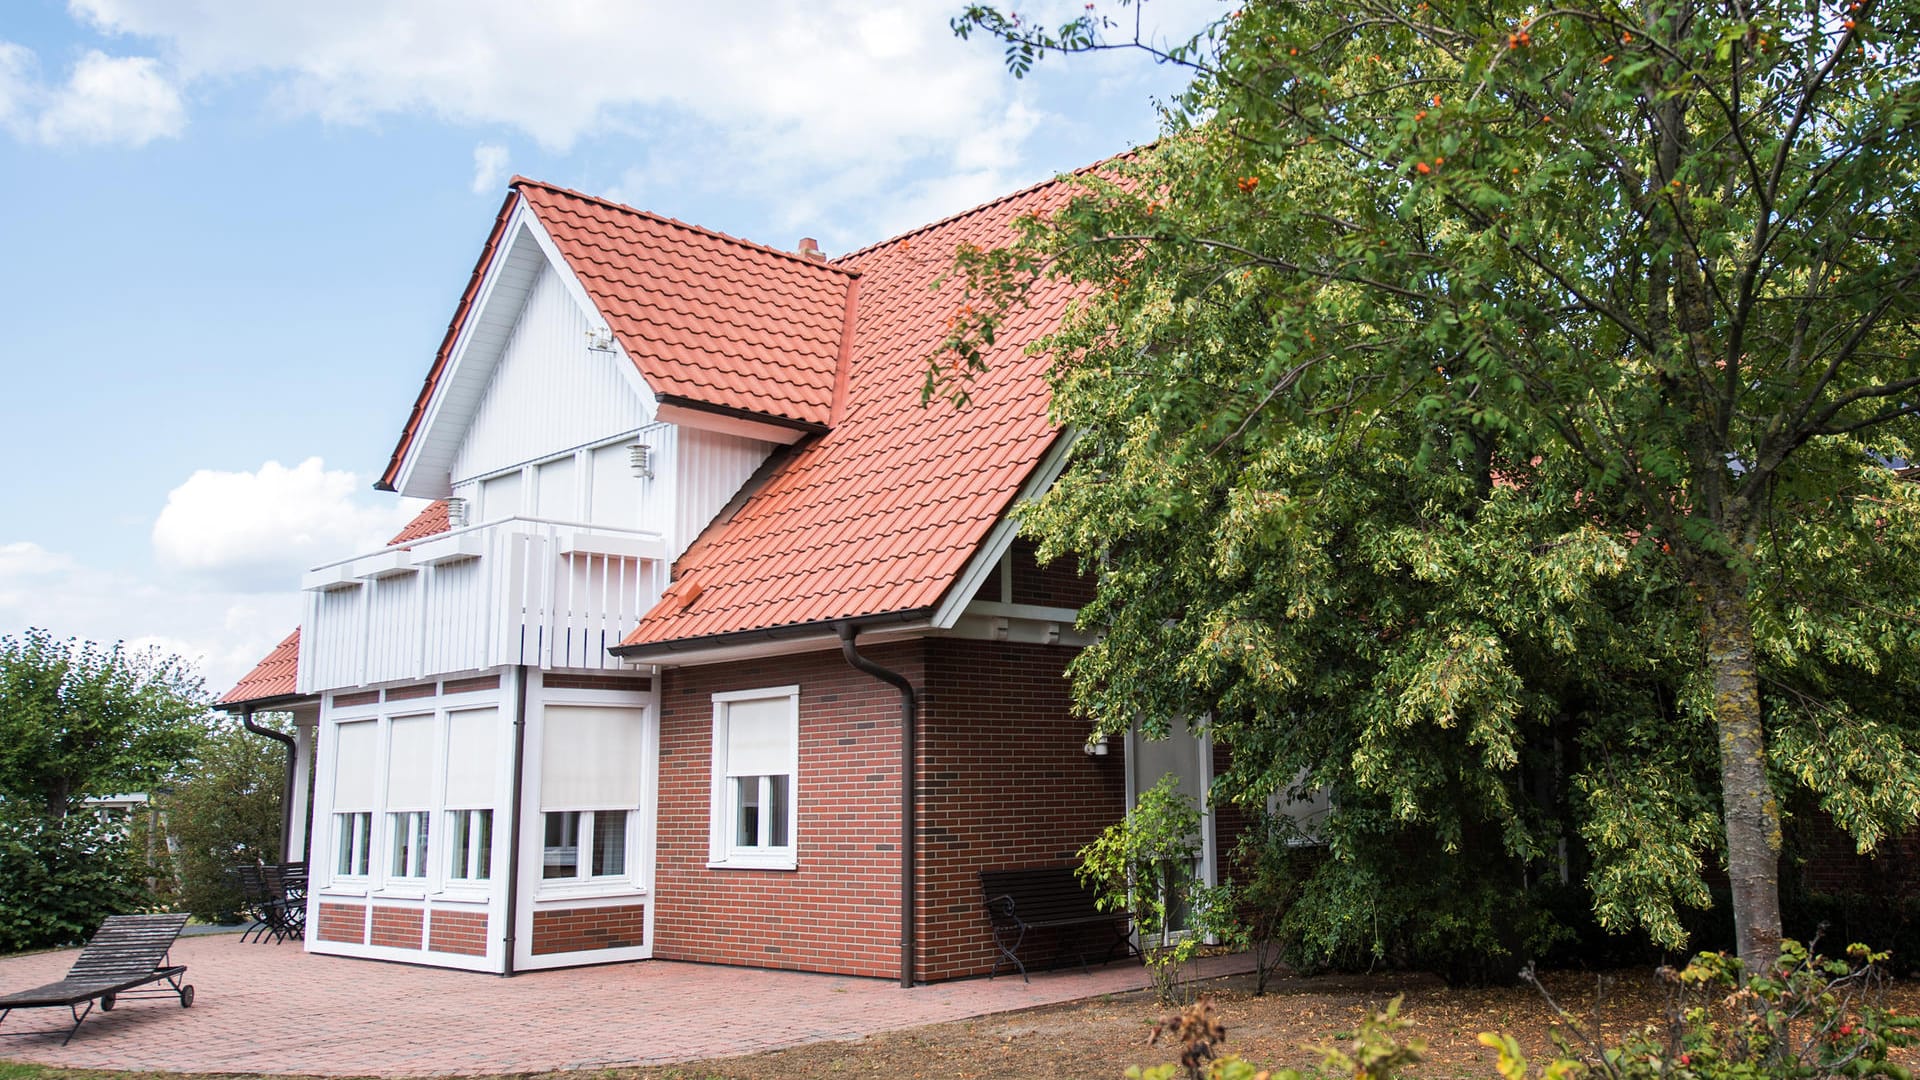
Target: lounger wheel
107 1001
186 996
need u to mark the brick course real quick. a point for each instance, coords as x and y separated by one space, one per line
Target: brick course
1002 782
1057 584
342 922
589 929
397 927
462 932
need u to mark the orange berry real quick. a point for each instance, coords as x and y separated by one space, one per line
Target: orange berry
1421 115
1624 38
1607 59
1422 166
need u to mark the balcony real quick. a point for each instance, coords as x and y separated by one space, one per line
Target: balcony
550 594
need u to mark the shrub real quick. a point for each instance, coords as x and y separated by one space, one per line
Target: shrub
226 813
59 877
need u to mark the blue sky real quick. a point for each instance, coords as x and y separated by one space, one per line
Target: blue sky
234 230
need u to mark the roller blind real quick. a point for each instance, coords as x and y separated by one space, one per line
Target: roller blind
354 751
409 761
590 758
472 765
760 737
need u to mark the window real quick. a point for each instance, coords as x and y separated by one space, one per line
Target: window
472 783
590 762
470 845
756 736
409 795
409 844
355 753
355 831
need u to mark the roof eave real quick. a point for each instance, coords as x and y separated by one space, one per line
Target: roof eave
680 651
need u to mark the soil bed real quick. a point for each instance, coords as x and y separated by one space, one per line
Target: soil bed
1099 1038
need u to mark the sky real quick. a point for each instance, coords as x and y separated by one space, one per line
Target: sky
232 233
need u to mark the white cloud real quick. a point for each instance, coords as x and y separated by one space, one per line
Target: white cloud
489 167
256 531
223 634
106 100
16 82
109 100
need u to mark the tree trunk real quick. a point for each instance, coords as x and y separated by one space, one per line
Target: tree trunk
1747 802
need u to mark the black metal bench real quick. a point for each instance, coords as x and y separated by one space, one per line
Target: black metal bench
127 951
1046 898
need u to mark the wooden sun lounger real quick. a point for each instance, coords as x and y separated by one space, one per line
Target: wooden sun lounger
127 951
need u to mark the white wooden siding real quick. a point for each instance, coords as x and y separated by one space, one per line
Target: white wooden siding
708 468
549 392
543 593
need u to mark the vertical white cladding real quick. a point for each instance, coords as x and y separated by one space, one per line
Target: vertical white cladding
549 392
708 469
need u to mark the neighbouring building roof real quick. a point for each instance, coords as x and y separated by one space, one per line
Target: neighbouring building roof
274 676
879 515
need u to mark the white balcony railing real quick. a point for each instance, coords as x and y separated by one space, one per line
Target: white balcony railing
552 594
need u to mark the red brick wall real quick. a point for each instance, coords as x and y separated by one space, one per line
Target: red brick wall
1005 783
463 932
839 911
343 922
1058 584
589 929
397 927
1832 864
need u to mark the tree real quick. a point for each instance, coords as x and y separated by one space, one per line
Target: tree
226 813
1458 378
78 720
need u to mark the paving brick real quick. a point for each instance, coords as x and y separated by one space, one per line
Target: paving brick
273 1008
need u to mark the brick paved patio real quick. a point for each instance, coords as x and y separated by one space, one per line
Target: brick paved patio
277 1009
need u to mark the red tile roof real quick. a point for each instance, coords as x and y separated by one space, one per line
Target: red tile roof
429 522
272 677
275 676
879 515
709 319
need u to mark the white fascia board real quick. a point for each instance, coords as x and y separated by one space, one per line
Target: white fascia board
571 281
697 656
495 267
999 541
742 427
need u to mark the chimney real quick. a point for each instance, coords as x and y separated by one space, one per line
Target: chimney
810 248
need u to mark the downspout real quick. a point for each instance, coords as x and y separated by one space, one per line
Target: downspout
286 796
909 723
513 823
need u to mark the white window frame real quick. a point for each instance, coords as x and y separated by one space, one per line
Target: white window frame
721 852
408 843
355 828
471 853
585 843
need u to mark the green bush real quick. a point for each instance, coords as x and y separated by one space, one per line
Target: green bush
226 813
59 877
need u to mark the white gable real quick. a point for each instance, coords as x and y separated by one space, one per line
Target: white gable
550 390
522 380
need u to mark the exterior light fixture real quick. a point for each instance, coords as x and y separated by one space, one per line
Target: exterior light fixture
456 513
1096 746
640 456
600 339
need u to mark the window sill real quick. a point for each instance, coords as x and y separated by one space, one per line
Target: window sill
590 889
737 862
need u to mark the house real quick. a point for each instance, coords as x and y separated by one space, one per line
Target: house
714 644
